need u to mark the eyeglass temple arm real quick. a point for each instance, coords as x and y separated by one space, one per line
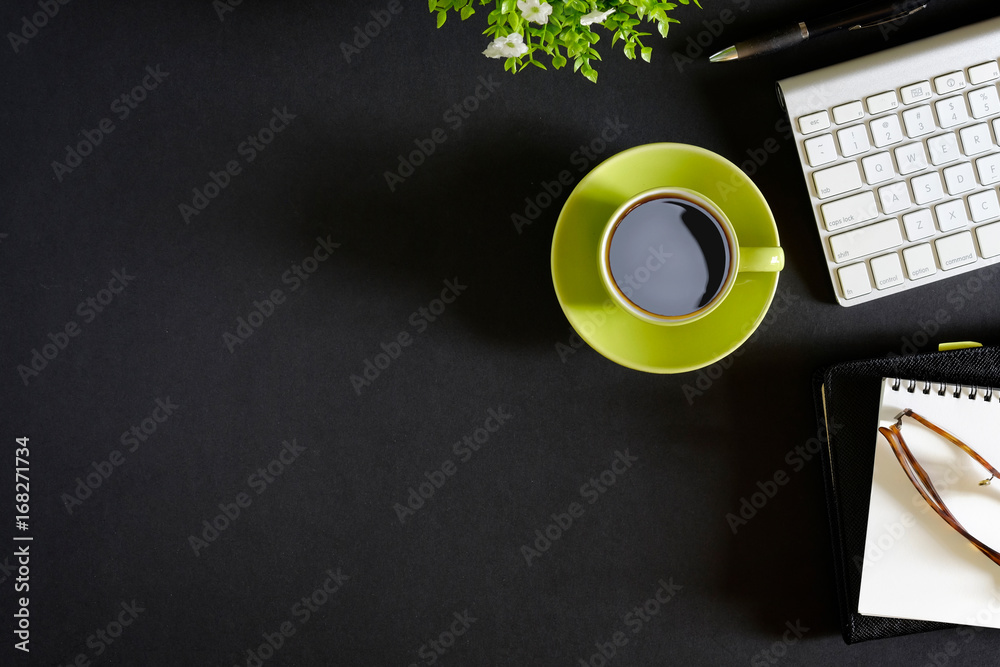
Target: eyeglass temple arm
952 439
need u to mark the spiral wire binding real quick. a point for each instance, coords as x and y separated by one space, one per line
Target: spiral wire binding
973 391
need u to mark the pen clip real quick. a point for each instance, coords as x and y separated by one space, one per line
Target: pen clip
890 19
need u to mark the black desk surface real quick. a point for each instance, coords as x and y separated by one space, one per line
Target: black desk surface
195 363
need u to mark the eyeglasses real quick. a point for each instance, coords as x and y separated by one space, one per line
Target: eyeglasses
922 481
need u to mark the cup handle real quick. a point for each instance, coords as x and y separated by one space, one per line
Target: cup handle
761 260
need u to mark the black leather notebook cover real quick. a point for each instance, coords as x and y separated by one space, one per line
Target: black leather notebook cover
847 402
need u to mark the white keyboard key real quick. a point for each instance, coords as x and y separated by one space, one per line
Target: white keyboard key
984 205
878 168
863 241
845 113
853 140
951 111
849 211
951 215
882 102
814 122
943 148
984 102
976 139
915 92
918 225
919 261
947 83
959 178
887 271
983 73
956 250
910 158
894 197
837 180
854 280
989 169
820 150
989 239
919 121
927 188
886 131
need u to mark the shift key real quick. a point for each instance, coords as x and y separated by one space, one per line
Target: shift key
837 180
864 241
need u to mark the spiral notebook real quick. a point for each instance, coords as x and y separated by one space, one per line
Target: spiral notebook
915 565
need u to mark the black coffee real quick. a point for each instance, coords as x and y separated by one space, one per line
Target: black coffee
669 256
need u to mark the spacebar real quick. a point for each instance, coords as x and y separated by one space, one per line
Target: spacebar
864 241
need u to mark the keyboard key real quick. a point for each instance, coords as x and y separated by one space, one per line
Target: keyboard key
853 140
863 241
882 102
927 188
820 150
918 225
943 148
911 158
955 251
886 131
837 180
959 178
849 211
989 169
951 111
976 139
984 102
915 92
919 261
845 113
878 168
983 73
854 280
814 122
887 271
989 239
984 205
947 83
951 215
919 121
894 198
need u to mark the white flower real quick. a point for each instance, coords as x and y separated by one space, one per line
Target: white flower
535 11
595 16
511 46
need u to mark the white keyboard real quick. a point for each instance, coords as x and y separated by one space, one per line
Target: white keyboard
901 156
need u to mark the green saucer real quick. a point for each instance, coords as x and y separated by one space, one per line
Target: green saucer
607 328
